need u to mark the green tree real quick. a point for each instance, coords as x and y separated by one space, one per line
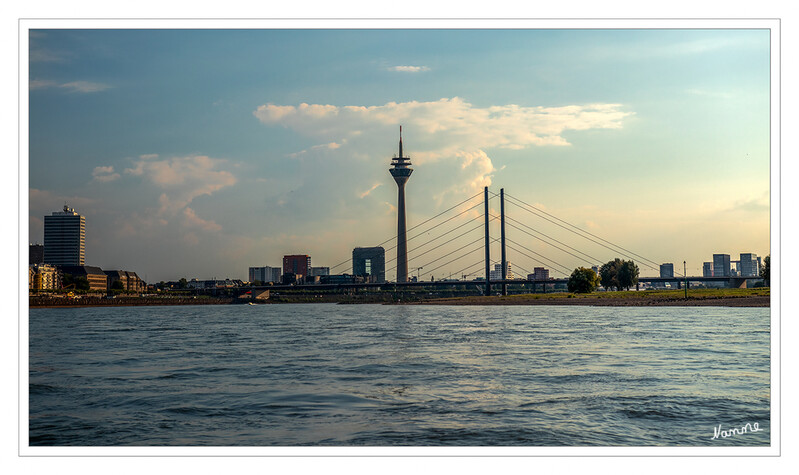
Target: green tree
256 283
618 274
183 283
67 281
765 271
117 285
608 274
627 274
81 283
583 281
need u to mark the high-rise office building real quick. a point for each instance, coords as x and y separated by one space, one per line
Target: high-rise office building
65 238
721 265
401 171
297 265
707 269
666 270
371 262
748 265
265 274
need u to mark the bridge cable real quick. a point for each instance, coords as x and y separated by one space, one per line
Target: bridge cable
446 255
581 230
556 247
440 224
480 262
629 253
568 271
440 245
533 258
594 259
442 235
416 226
457 258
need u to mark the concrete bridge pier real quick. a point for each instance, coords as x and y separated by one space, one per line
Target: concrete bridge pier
260 294
738 282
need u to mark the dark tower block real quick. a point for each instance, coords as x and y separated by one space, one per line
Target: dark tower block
401 171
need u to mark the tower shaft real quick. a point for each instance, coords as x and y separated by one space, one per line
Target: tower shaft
402 236
401 171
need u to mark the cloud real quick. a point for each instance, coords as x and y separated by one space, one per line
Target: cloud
635 51
44 56
452 121
84 86
104 174
367 192
192 220
74 86
409 69
752 205
182 179
41 84
320 147
706 93
447 129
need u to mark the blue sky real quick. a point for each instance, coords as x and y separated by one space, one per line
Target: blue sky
199 153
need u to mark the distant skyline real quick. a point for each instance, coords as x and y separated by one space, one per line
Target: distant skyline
201 153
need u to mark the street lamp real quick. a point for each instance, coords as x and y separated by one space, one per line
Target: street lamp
685 276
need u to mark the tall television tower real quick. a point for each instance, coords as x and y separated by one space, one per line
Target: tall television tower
401 171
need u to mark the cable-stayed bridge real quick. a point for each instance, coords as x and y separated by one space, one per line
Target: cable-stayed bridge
462 246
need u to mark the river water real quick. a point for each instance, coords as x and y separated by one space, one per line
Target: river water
373 375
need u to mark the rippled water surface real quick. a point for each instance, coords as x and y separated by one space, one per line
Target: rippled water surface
325 374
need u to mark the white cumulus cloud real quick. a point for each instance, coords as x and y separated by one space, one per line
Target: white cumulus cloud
73 86
181 180
447 129
409 69
104 174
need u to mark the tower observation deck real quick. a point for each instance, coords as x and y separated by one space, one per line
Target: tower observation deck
401 171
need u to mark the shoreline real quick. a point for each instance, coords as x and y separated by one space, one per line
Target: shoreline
559 299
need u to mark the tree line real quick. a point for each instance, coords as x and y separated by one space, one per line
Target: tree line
616 274
620 274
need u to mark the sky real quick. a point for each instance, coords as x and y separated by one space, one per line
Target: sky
201 153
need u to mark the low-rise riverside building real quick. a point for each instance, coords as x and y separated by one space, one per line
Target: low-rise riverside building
130 281
98 280
43 277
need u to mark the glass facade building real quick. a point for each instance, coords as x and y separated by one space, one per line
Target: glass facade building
65 238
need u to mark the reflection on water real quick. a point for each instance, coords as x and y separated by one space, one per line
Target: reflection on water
328 374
